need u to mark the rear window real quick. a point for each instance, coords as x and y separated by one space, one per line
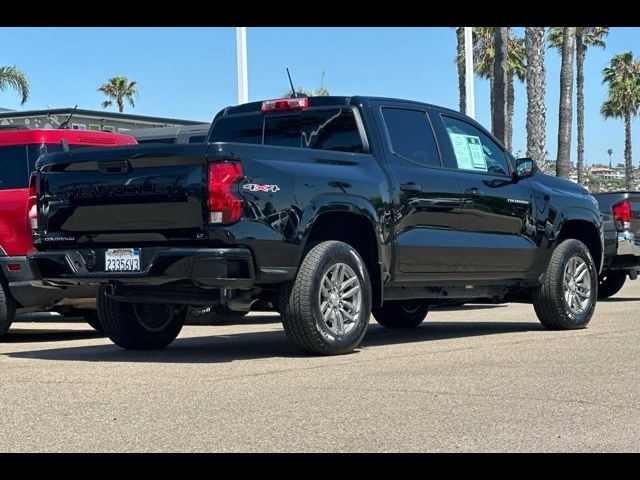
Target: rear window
14 167
323 129
18 161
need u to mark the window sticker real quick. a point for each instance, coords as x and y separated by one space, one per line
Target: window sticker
468 152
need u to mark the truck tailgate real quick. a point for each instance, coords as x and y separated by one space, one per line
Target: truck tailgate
155 188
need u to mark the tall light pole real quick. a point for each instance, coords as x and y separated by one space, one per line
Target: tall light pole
241 51
468 68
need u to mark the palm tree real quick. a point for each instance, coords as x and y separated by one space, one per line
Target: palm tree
609 152
623 77
119 89
14 77
536 108
498 122
585 37
563 164
515 68
484 55
462 87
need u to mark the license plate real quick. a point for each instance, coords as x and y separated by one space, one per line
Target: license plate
122 260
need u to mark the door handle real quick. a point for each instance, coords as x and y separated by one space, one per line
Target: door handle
411 187
473 192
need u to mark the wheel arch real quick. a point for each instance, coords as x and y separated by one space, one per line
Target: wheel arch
353 221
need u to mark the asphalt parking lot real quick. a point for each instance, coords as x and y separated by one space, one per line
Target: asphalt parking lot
484 378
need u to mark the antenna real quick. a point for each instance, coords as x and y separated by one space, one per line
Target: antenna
65 124
293 90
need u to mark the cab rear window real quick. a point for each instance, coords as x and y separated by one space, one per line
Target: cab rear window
322 129
18 161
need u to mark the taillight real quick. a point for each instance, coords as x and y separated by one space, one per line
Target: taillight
622 215
297 103
32 203
225 205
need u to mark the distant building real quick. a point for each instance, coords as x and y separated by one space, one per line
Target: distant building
85 120
606 173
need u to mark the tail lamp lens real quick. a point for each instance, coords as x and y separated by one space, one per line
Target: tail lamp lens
32 203
622 215
225 205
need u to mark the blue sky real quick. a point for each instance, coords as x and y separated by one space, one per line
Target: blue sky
191 72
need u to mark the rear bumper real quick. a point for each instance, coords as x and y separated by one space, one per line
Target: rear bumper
626 253
30 291
198 267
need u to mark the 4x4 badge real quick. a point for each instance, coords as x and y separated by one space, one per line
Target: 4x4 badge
254 187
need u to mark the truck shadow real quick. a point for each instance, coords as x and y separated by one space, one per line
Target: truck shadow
40 335
619 299
272 344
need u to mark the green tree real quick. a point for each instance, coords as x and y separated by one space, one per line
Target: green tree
13 77
563 164
585 37
536 108
119 89
623 78
484 54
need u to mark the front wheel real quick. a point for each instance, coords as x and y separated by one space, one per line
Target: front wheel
402 314
139 326
610 283
567 298
325 311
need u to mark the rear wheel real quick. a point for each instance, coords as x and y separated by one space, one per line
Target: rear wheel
139 326
7 308
325 311
567 298
610 283
401 314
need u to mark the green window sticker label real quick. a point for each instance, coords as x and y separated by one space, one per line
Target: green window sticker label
468 152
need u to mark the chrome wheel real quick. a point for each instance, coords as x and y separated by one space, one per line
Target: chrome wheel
576 284
340 299
153 317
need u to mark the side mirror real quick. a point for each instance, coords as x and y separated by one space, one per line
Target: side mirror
525 167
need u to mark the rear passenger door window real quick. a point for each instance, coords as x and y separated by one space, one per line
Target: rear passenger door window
473 150
411 136
334 130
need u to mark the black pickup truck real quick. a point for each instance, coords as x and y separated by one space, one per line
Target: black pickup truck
621 223
329 208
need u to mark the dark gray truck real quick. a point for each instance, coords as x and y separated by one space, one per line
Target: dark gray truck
621 220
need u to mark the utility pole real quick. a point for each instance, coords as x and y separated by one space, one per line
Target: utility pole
241 51
468 70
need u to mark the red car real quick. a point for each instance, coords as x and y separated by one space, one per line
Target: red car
21 288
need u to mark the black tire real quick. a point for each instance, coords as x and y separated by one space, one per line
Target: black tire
90 316
401 314
212 315
549 300
139 326
301 300
7 308
610 283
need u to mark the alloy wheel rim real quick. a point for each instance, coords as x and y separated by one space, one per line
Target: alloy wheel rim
576 284
340 299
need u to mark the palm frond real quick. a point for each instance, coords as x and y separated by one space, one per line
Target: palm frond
14 78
